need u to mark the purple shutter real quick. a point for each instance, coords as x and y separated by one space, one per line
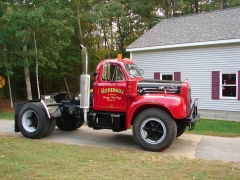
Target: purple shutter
238 85
215 84
157 75
177 76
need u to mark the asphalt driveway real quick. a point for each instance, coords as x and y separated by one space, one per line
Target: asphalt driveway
188 145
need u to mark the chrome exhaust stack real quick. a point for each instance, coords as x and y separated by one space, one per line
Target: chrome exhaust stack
85 86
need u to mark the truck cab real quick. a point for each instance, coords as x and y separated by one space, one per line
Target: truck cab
112 84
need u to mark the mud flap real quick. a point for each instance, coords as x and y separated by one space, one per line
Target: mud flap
18 106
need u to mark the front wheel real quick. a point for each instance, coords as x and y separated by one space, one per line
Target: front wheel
154 130
181 127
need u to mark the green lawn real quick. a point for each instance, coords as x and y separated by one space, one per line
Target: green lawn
7 115
22 158
217 128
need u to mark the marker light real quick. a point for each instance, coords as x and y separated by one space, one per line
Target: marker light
119 56
165 92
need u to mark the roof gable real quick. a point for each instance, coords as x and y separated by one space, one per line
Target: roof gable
203 27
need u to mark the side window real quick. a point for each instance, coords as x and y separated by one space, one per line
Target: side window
106 71
119 74
112 72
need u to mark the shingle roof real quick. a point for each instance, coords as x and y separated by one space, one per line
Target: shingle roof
202 27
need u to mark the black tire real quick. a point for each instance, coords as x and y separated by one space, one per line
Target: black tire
80 124
33 121
180 128
154 130
70 122
51 128
67 125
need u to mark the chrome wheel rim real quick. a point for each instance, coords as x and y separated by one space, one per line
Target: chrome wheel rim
30 121
153 130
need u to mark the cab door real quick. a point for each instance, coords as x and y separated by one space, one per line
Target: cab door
111 89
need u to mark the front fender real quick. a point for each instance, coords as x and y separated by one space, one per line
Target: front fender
175 104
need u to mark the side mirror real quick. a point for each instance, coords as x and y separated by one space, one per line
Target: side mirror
94 74
141 71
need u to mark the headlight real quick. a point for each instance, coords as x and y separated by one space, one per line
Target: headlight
196 102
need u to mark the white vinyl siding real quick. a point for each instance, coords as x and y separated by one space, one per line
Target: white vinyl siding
196 64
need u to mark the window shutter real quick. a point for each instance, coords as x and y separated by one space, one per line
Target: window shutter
215 84
157 75
238 85
177 76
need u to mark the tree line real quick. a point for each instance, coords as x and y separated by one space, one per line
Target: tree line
39 39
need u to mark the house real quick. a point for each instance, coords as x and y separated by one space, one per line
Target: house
205 48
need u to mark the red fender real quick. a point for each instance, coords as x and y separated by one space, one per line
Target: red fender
175 104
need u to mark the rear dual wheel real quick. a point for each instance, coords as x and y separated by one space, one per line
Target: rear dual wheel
33 121
70 122
154 130
68 125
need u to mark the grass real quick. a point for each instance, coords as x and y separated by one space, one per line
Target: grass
21 158
7 115
217 128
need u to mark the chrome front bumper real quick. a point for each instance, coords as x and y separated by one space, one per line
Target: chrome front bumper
194 116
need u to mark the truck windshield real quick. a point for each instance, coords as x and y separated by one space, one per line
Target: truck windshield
133 70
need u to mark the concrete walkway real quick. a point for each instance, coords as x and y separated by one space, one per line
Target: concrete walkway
188 145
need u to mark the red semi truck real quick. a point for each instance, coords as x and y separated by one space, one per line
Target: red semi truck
157 111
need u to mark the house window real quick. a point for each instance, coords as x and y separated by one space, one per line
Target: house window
167 77
176 76
228 85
